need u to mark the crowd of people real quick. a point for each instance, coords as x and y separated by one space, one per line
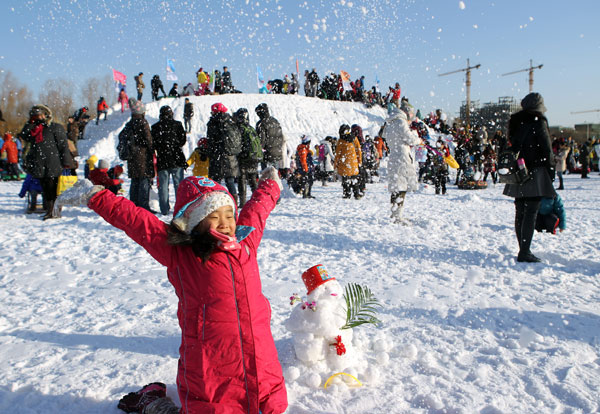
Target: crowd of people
216 219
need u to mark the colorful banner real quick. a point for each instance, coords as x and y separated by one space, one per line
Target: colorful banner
345 80
120 80
297 71
171 76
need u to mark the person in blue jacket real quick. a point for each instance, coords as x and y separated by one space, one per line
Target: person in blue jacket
551 215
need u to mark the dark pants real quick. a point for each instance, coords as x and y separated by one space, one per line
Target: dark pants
187 124
49 187
350 184
247 177
100 113
139 192
139 98
494 176
526 210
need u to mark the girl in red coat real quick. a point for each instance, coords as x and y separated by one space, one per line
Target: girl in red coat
228 361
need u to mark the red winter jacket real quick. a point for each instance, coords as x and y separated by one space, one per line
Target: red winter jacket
12 151
228 361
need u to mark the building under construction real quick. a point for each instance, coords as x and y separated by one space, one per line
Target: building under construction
494 115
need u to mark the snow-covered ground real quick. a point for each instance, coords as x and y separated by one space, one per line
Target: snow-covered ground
88 316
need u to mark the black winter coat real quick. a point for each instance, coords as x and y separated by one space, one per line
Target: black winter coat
168 136
528 133
271 139
47 159
188 110
224 144
141 161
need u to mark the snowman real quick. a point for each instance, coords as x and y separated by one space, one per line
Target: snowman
316 325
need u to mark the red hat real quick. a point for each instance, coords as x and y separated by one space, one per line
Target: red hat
203 142
197 197
315 277
218 107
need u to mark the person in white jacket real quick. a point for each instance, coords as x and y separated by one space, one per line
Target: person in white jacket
326 161
401 165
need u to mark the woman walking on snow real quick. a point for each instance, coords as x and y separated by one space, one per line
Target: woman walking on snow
228 361
401 165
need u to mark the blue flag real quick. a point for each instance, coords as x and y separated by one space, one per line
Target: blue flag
171 70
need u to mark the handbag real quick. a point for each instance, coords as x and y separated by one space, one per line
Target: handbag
512 169
65 181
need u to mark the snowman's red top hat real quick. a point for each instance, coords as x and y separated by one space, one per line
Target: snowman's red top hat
315 277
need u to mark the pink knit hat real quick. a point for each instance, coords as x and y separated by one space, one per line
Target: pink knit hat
197 197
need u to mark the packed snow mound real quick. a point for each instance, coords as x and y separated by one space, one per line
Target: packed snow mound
298 115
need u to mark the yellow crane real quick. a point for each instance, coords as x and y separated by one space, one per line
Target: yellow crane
468 84
530 69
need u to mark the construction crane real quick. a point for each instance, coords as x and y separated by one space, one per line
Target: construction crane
468 83
585 112
530 69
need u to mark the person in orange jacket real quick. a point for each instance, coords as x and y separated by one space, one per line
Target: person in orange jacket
11 151
305 167
101 108
348 157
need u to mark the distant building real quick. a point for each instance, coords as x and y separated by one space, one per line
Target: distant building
580 133
494 115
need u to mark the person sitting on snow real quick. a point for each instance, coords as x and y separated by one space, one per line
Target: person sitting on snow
99 176
228 359
551 215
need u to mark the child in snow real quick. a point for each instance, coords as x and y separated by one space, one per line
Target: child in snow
551 215
11 153
90 164
123 100
31 187
228 360
199 159
115 173
99 176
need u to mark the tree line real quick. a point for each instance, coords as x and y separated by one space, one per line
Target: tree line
60 95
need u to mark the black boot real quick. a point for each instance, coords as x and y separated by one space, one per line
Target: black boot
50 213
32 204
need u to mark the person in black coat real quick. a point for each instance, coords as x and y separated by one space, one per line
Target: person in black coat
224 145
188 113
173 92
48 154
271 137
168 137
156 85
140 163
528 136
584 157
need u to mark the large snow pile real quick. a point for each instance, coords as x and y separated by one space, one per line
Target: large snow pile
88 316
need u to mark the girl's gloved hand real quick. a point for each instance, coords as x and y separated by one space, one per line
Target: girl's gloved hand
271 173
79 194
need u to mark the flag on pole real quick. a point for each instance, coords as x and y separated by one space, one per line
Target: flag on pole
345 80
376 83
212 81
171 70
297 70
120 80
260 80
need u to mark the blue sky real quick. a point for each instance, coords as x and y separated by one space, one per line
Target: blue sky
406 41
